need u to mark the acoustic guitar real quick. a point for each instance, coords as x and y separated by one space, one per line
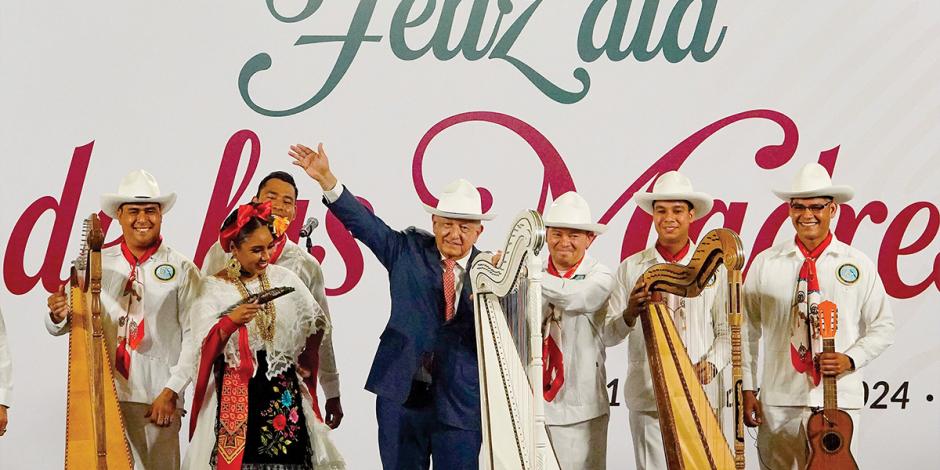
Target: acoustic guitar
829 430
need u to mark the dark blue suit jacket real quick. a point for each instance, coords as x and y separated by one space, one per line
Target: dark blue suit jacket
416 325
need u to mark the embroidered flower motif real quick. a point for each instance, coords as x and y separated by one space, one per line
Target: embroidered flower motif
283 416
279 422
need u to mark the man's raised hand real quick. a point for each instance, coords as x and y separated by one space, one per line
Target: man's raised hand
315 164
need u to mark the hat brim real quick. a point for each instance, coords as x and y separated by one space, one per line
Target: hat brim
110 203
838 193
457 215
596 228
701 202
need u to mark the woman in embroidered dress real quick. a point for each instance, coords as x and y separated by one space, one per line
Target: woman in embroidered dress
251 410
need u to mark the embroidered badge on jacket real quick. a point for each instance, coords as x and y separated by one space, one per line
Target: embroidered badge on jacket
848 274
165 272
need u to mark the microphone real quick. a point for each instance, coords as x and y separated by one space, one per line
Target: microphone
309 226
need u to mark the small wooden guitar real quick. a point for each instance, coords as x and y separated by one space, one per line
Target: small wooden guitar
829 430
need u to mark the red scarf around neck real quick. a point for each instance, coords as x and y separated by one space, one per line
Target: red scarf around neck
673 258
122 358
553 367
808 297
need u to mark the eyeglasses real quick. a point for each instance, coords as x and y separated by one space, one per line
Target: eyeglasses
814 208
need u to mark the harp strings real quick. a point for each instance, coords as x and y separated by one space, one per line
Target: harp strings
704 332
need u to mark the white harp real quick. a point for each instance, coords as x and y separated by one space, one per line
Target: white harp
507 301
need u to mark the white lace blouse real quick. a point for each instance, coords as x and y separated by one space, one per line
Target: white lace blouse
298 317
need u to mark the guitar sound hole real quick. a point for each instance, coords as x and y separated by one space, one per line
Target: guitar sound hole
831 442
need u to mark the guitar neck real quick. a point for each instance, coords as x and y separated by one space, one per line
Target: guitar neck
830 401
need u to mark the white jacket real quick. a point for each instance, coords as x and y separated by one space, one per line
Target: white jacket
708 336
582 300
6 367
306 267
167 356
865 329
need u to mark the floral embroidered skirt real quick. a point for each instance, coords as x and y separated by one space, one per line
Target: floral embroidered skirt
267 428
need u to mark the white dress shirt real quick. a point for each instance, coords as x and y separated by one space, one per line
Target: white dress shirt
865 328
166 358
582 301
6 367
707 336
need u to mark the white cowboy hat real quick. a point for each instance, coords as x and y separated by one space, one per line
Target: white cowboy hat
137 187
460 200
813 181
570 210
674 186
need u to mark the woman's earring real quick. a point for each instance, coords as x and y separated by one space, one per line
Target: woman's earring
233 268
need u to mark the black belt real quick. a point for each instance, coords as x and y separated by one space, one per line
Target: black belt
420 396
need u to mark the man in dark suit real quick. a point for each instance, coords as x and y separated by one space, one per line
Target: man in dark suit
425 371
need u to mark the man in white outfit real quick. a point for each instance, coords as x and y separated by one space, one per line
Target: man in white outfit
701 321
781 292
574 296
6 377
147 289
279 188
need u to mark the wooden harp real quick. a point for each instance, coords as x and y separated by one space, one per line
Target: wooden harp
94 426
692 435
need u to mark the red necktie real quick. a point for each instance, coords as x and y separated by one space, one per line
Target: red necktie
450 289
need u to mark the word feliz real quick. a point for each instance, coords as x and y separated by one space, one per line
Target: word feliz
556 181
497 43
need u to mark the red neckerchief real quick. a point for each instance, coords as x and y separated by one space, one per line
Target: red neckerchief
122 358
672 258
278 249
134 261
553 367
568 274
802 332
814 254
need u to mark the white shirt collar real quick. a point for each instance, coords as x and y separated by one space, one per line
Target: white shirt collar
462 262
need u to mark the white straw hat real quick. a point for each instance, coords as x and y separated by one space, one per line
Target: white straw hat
138 187
460 200
674 186
814 181
570 210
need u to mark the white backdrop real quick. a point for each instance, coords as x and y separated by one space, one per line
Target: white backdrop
127 85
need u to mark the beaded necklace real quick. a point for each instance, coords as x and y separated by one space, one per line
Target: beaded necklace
266 319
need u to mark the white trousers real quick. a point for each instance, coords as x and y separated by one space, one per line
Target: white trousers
647 440
153 447
781 438
581 446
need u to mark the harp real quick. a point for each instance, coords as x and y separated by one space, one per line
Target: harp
692 433
507 301
94 426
